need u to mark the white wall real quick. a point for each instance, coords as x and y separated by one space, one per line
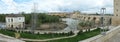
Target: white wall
17 22
15 19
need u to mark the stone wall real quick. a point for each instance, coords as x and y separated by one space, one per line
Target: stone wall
115 20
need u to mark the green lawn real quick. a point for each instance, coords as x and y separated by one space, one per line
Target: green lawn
80 36
35 36
7 32
43 36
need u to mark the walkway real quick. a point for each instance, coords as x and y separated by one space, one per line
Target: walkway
115 38
4 38
75 34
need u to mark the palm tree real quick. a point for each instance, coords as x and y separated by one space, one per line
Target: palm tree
89 25
82 25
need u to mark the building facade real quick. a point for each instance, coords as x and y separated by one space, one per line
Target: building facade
116 17
15 21
116 7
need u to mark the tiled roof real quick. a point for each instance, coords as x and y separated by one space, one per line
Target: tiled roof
14 15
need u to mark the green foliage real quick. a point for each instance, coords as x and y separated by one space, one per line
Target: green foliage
7 32
85 24
44 36
47 18
42 18
27 18
2 17
80 36
35 36
82 24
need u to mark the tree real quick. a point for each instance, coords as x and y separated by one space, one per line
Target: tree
89 25
85 25
2 17
82 25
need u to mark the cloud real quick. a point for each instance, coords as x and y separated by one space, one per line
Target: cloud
56 5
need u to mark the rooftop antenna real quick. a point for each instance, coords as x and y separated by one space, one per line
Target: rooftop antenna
34 18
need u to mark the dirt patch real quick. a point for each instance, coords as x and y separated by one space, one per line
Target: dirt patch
52 26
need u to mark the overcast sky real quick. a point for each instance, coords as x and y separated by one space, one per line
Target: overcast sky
87 6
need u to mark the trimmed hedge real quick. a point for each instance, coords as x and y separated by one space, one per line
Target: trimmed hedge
35 36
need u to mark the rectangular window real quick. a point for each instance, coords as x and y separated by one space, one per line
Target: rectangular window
19 18
8 20
11 20
117 10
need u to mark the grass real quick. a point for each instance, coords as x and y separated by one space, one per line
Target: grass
7 32
35 36
43 36
80 36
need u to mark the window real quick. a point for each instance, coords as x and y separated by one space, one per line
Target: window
19 18
117 10
11 26
8 20
11 20
116 14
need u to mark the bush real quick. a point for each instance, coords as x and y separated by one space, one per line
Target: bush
80 32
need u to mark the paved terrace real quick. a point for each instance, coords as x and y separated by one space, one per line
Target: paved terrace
115 38
4 38
112 35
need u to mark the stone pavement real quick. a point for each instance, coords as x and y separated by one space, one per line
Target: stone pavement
115 38
4 38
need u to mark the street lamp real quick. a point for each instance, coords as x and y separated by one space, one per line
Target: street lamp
103 10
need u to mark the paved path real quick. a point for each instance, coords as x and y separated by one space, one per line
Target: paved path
115 38
4 38
75 34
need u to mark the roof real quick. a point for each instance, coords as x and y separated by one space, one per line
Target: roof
14 15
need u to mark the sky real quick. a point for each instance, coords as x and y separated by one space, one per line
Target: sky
85 6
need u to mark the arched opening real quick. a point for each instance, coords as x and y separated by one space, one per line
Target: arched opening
110 21
88 18
101 20
11 26
94 21
84 17
94 18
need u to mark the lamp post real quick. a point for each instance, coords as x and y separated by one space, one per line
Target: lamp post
103 10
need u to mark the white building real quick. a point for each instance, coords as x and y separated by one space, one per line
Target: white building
15 21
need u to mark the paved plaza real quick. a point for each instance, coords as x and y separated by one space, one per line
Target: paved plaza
4 38
115 38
